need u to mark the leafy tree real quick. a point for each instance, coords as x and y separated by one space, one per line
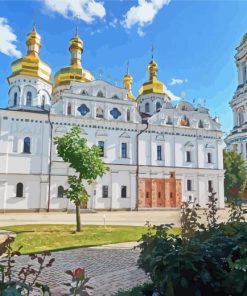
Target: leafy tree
235 172
85 161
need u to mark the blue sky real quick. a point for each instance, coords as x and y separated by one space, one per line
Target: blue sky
194 42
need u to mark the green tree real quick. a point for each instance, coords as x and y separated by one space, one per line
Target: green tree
235 172
85 161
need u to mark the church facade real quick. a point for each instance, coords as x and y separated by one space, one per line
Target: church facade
159 154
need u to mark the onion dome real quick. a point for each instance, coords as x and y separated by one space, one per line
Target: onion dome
153 85
31 64
74 72
127 82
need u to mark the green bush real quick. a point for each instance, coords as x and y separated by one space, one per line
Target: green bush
205 260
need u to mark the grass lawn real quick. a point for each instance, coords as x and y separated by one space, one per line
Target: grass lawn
38 237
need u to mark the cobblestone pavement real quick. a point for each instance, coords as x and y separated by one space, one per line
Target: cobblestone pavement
109 268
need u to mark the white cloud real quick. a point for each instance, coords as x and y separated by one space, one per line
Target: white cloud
143 14
8 39
178 81
86 10
172 96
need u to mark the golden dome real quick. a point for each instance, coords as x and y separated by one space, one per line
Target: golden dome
153 85
127 82
74 72
31 64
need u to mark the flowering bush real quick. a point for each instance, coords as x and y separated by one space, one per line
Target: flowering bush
16 283
79 285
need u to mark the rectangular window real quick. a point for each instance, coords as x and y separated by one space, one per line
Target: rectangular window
210 186
101 145
189 185
124 150
188 156
123 191
209 157
104 191
159 156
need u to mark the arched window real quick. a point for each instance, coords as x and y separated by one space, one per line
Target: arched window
27 145
60 191
147 108
200 124
29 99
115 97
99 113
184 108
15 98
128 115
43 102
100 94
19 190
158 106
69 109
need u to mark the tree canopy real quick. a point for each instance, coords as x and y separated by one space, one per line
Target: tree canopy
83 159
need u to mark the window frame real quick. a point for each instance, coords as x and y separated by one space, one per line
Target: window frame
209 157
19 190
69 109
189 185
123 191
105 191
102 147
29 98
147 107
210 186
128 115
26 151
159 152
15 99
59 194
124 151
188 153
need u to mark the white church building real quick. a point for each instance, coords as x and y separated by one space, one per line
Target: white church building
159 153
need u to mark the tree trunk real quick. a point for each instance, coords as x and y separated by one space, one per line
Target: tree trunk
78 218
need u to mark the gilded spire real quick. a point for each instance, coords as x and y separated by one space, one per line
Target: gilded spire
153 85
152 67
76 49
75 71
33 42
127 82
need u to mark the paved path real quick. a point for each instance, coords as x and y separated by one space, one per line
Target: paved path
112 218
110 268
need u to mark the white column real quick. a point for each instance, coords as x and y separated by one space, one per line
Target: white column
44 194
133 194
114 190
3 194
220 193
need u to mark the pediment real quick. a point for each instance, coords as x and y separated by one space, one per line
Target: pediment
125 135
101 133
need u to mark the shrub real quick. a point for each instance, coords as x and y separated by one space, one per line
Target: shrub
16 283
208 259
